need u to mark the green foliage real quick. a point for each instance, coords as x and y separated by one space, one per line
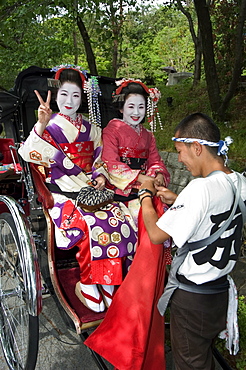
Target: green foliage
224 33
187 100
237 361
152 40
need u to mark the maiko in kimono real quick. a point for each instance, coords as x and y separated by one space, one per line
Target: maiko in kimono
70 148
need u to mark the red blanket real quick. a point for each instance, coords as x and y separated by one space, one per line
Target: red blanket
131 336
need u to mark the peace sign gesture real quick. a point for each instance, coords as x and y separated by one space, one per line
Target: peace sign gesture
44 112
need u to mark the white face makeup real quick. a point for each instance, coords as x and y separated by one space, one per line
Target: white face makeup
69 99
134 109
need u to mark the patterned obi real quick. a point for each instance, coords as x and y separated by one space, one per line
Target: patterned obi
80 153
135 158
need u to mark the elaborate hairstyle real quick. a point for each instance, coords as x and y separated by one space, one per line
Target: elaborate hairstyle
151 95
126 88
70 73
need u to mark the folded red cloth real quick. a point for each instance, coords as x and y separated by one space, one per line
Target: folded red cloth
131 335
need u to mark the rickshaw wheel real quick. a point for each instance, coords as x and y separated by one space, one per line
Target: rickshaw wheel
19 331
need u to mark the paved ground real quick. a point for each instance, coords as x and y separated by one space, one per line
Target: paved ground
62 349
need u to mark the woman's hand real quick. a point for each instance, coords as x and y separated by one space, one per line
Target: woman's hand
100 182
142 178
44 112
159 180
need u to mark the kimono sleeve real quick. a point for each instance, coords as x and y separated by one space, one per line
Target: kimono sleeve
37 150
155 163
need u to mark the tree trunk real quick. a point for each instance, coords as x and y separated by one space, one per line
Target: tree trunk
75 47
238 61
88 49
205 27
197 42
117 23
198 59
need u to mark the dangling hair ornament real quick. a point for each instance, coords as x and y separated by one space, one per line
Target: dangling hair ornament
92 90
153 114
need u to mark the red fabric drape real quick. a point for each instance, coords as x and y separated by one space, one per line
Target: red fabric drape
131 336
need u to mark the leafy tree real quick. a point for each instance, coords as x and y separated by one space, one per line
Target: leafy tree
188 10
219 105
154 38
90 21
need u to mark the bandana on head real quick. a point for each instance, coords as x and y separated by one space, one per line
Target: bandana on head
223 145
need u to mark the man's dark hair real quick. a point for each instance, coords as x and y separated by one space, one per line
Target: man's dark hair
200 126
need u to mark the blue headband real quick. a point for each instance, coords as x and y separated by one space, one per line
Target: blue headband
223 145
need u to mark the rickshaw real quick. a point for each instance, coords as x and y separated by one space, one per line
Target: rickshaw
32 269
30 264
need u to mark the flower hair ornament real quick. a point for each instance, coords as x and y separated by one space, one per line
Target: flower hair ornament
152 100
223 145
60 68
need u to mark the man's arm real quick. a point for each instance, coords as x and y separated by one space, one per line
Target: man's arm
156 235
150 217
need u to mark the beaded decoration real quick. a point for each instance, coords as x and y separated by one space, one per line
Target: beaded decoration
153 114
61 67
92 90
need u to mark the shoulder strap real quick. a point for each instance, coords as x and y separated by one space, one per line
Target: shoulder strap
210 239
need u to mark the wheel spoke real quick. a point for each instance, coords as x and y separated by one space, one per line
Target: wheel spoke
14 316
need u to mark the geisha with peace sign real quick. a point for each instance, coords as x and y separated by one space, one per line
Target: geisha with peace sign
70 147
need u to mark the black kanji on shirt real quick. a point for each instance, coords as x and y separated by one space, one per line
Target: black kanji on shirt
228 244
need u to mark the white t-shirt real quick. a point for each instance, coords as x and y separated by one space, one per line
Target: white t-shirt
196 214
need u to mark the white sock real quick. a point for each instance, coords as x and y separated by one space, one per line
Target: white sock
94 292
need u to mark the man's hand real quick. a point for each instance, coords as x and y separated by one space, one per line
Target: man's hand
166 195
149 184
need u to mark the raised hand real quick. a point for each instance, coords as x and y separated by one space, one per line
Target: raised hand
44 112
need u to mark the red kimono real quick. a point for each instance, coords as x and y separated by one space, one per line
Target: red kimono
131 337
127 153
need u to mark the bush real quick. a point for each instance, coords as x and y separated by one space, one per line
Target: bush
237 361
187 100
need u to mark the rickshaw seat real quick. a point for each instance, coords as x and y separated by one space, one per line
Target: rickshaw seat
63 266
10 167
44 195
5 144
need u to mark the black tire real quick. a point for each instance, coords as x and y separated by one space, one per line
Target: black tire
19 331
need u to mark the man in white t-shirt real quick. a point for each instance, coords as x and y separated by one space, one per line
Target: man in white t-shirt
207 208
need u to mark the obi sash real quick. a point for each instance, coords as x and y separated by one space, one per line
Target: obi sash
80 153
135 158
